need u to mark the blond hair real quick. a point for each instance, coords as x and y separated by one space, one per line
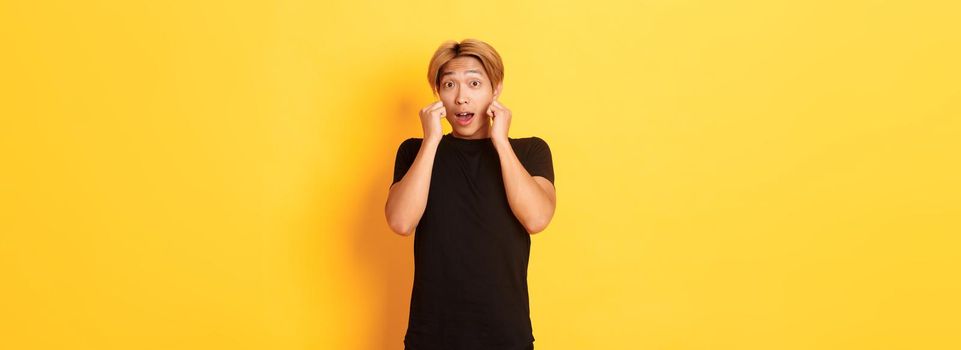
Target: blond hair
449 50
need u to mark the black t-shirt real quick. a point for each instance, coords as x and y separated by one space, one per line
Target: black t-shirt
470 251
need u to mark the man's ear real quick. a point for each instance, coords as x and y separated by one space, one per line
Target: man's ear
497 91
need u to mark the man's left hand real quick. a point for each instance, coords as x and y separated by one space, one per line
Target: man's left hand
501 117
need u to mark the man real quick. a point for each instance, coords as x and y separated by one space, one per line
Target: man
474 196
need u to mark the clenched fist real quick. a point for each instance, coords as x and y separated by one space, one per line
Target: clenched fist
501 121
430 117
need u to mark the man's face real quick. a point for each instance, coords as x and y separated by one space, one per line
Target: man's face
466 89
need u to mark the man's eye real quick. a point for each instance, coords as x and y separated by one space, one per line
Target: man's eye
475 83
448 84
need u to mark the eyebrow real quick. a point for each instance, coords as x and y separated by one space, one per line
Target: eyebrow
466 71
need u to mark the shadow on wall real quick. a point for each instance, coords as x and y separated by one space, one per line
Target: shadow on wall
384 258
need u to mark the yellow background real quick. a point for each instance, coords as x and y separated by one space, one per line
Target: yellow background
730 174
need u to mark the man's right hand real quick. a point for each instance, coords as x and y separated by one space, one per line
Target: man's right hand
430 117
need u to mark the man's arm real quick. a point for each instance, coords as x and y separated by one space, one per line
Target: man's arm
407 199
532 198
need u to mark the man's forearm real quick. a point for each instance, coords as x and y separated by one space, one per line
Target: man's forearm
532 206
407 199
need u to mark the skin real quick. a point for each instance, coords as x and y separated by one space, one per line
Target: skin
464 86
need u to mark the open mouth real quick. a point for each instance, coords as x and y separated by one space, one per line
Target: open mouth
464 118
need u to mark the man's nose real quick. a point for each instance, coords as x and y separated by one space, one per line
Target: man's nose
462 100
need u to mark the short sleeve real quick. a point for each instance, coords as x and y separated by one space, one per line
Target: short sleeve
538 160
406 153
